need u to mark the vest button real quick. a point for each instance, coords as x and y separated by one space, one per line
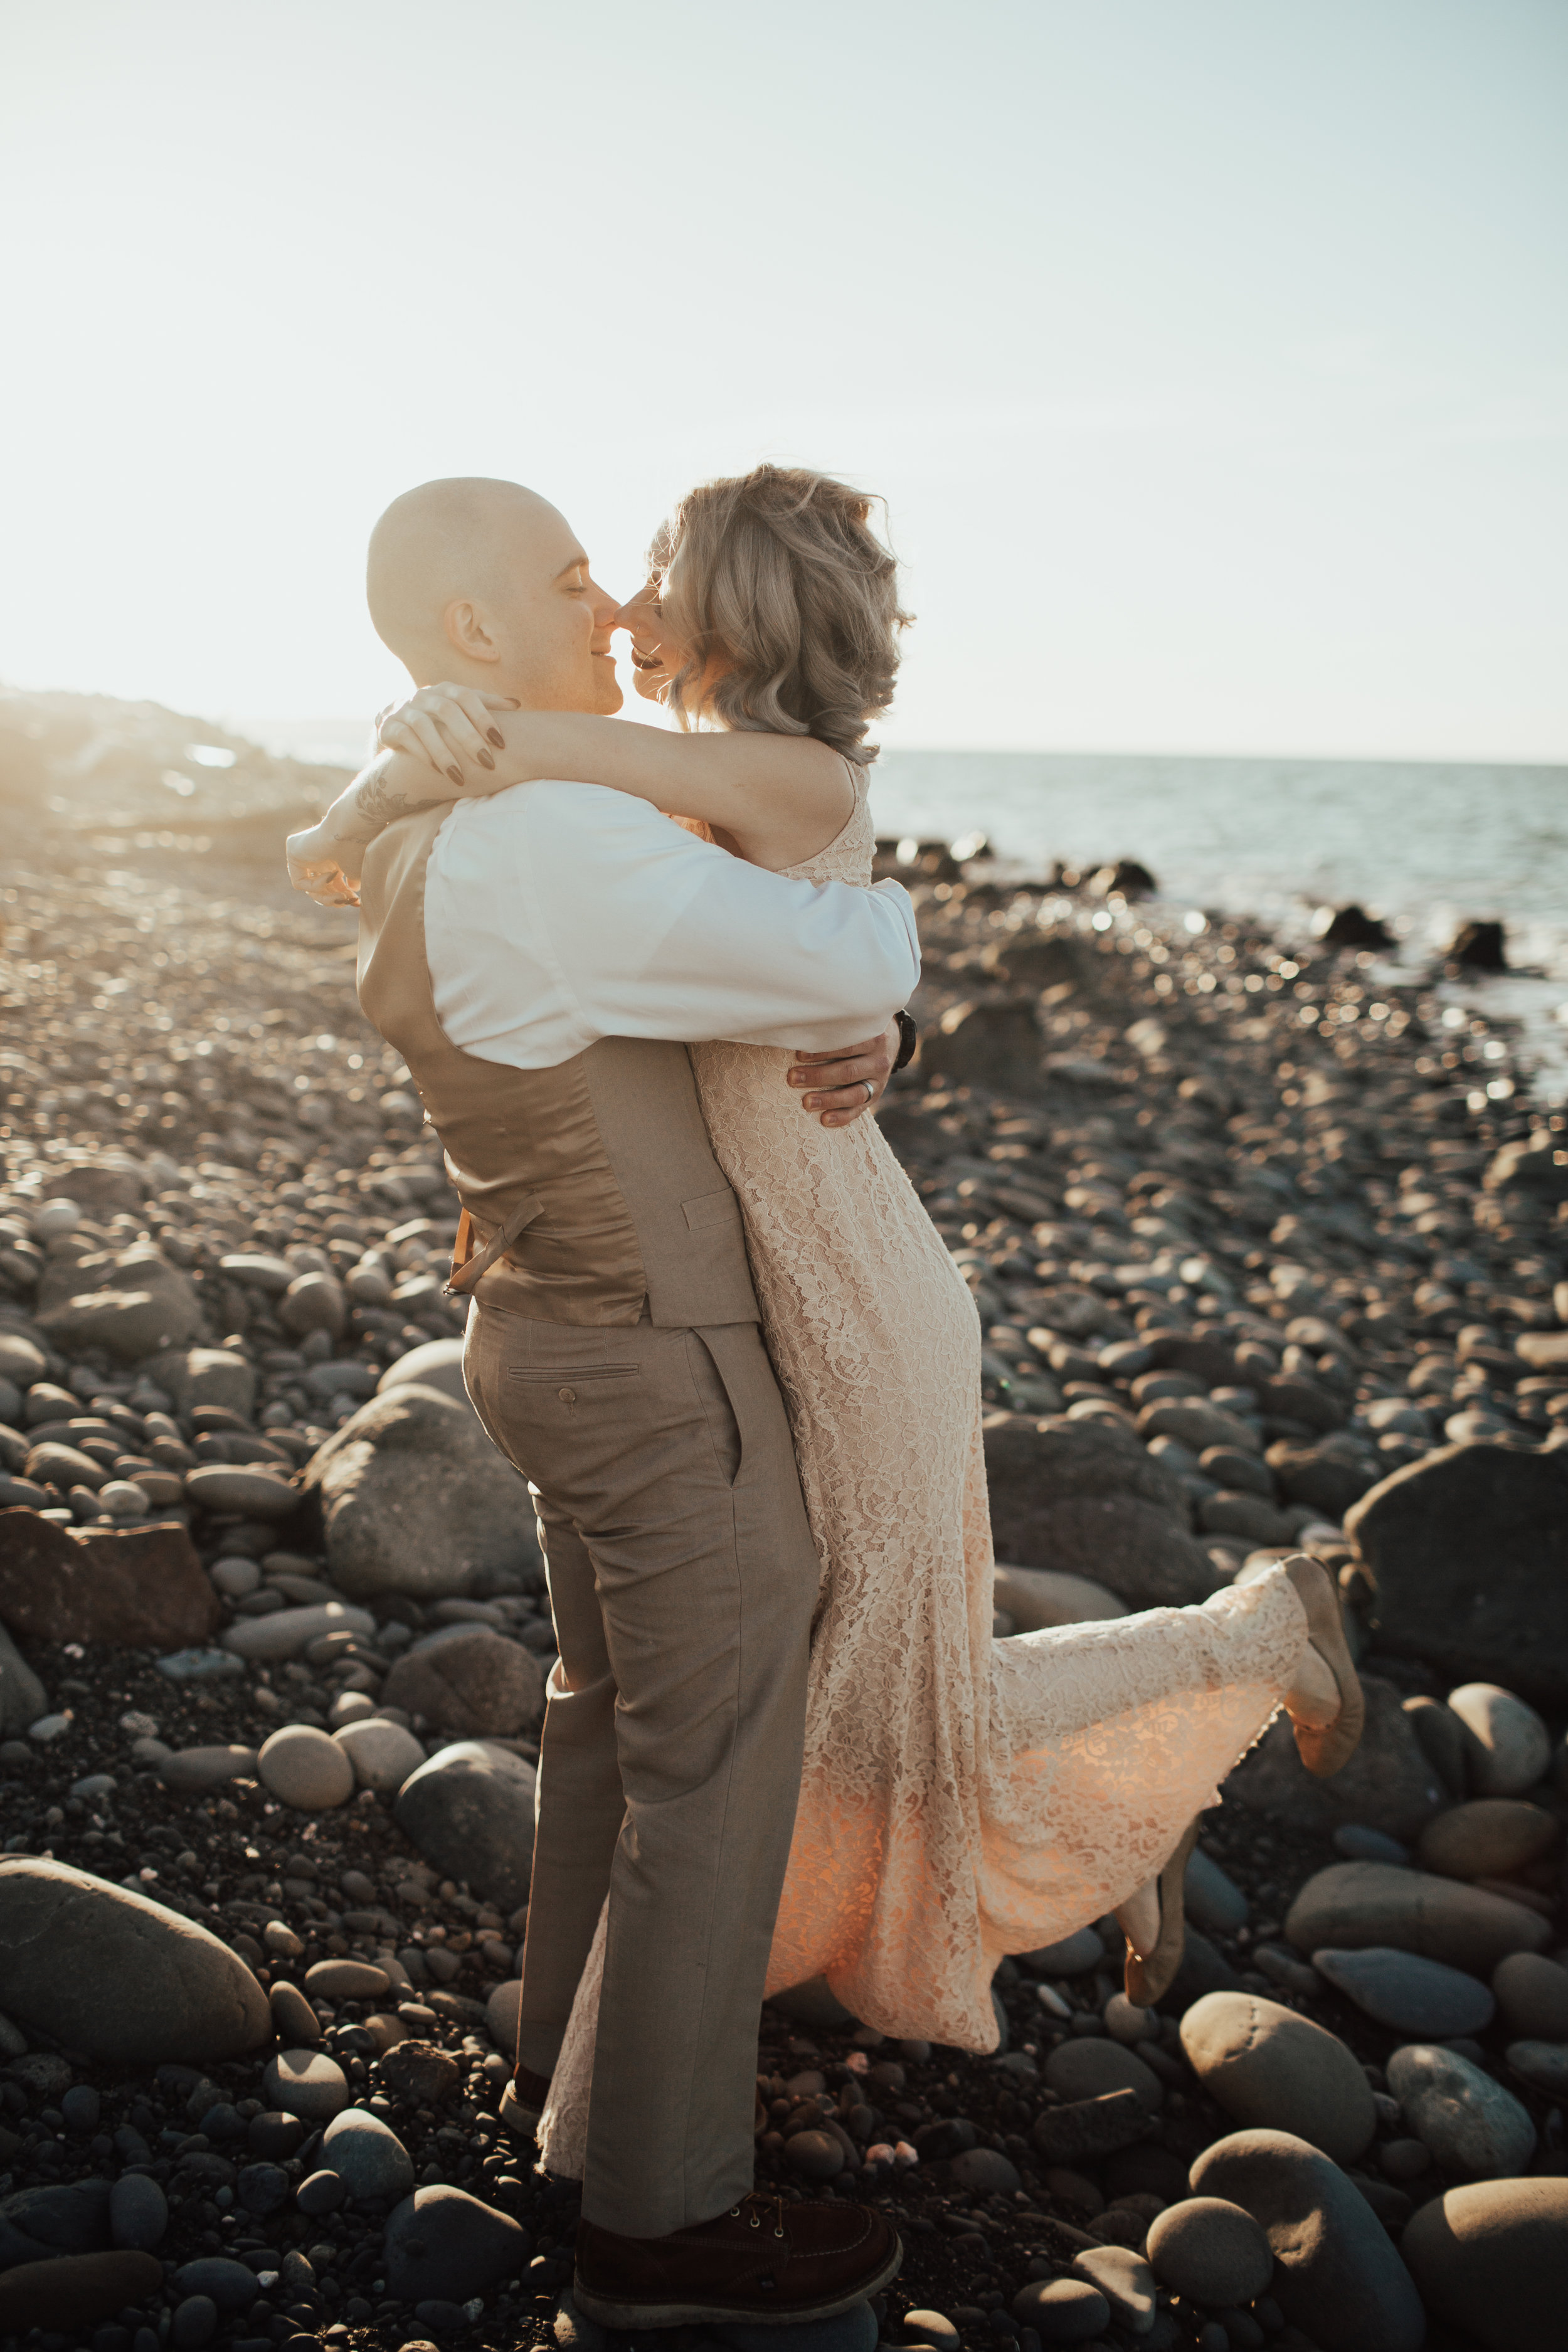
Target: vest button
567 1396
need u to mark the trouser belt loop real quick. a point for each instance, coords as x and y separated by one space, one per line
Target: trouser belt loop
467 1265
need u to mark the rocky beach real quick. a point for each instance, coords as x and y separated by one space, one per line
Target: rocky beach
1269 1249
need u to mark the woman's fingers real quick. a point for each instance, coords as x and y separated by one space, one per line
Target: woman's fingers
464 730
421 733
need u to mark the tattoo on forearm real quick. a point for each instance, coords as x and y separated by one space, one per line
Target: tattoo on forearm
379 803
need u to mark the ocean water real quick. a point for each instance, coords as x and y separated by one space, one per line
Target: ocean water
1426 845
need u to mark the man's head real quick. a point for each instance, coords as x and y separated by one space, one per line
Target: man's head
485 584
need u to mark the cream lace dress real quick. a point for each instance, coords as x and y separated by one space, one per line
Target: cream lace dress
962 1797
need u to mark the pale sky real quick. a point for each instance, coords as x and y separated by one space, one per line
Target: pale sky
1212 357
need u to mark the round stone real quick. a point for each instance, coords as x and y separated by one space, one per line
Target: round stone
382 1754
1353 1903
307 2084
1492 2258
1542 2064
138 2211
75 2291
1210 2251
984 2171
931 2327
321 2192
1473 2127
1266 2066
1127 2023
1511 1747
1491 1838
442 2242
296 2020
1408 1994
306 1770
195 2323
234 1578
1062 2311
1088 2067
1532 1994
262 2188
1073 1957
502 2012
814 2155
337 1980
367 2156
79 2108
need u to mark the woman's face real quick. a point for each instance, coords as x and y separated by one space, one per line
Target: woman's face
656 618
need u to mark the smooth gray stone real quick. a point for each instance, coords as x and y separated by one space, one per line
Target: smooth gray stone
1542 2064
1074 1955
1266 2066
1409 1994
470 1810
1337 2276
853 2330
442 2241
1360 1843
1492 2258
1212 1898
138 2211
367 2155
1089 2068
1472 2126
1210 2250
229 2284
68 2217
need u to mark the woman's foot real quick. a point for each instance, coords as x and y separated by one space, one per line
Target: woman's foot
1324 1702
1154 1921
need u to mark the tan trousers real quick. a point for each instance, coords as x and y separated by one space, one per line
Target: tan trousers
682 1578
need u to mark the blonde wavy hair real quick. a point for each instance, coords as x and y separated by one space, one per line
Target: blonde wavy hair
792 595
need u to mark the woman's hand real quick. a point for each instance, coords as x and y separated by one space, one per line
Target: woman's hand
447 726
324 862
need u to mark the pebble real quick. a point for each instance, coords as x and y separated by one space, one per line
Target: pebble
1408 1994
1489 1838
382 1754
1084 2129
1126 2282
335 1980
1210 2251
80 2107
297 2021
931 2327
230 2284
76 2290
416 1499
1337 2276
1354 1904
502 2012
1266 2066
1542 2064
180 1995
1473 2127
1126 2022
306 1769
1492 2258
1532 1994
1358 1842
984 2172
366 2155
442 2241
1510 1745
1075 1956
289 1632
251 1494
1211 1897
814 2155
307 2084
320 2192
206 1767
1088 2069
138 2211
470 1810
234 1578
469 1679
1062 2311
195 2323
263 2188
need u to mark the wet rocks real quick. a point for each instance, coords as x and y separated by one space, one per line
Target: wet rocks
1352 1905
179 1994
1408 1994
1388 1784
1491 1838
75 2291
1472 2126
471 1679
139 1588
443 2242
1510 1745
470 1810
307 2084
1469 1548
306 1769
367 2156
1266 2066
1337 2276
128 1303
1492 2258
1532 1993
416 1499
382 1754
1210 2251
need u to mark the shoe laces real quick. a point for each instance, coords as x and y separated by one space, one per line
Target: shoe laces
759 2200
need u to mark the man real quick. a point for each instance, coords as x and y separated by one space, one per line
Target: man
539 960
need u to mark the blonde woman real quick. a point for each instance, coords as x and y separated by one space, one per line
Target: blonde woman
963 1797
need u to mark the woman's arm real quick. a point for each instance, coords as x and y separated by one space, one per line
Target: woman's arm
777 798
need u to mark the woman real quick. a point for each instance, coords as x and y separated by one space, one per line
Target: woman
963 1797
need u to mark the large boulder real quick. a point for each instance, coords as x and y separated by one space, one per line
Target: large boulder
1084 1499
416 1499
1468 1548
1389 1783
128 1302
108 1972
1354 1905
995 1042
1035 1598
142 1587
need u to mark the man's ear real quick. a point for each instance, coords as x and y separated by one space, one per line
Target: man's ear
466 627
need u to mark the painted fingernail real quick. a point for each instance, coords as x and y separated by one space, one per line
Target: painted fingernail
455 775
513 703
497 738
484 760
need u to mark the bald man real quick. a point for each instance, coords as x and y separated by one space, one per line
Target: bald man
540 960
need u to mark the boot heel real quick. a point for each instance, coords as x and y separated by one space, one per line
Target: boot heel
1147 1980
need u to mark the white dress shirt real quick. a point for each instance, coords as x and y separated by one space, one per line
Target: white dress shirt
557 914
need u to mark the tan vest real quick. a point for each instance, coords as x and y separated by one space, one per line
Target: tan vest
594 1181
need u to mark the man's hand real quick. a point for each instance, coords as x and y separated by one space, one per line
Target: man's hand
847 1081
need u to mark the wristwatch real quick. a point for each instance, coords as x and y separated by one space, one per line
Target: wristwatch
909 1038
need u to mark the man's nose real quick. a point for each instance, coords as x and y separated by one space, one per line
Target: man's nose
606 612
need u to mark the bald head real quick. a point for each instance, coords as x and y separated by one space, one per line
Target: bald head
485 584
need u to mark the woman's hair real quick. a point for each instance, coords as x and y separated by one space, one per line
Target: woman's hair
791 590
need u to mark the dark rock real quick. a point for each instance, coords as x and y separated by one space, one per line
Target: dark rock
1472 2126
994 1042
420 2072
1210 2251
178 1993
1062 2311
139 1588
1478 947
1409 1994
1090 2129
1532 1993
1084 1497
442 2241
984 2171
470 1810
262 2188
1468 1548
1323 1481
1087 2067
1204 1969
1265 2065
1491 1838
471 1679
1350 926
367 2155
75 2291
195 1377
416 1499
128 1302
1387 1785
1509 1748
137 2212
1444 1741
1073 1957
23 1698
1352 1905
1492 2258
230 2284
1337 2276
69 2218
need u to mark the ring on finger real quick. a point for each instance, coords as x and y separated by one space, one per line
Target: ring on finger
870 1090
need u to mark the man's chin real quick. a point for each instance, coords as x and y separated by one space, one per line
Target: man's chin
607 695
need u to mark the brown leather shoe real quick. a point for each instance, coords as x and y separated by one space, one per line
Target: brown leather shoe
762 2260
523 2102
